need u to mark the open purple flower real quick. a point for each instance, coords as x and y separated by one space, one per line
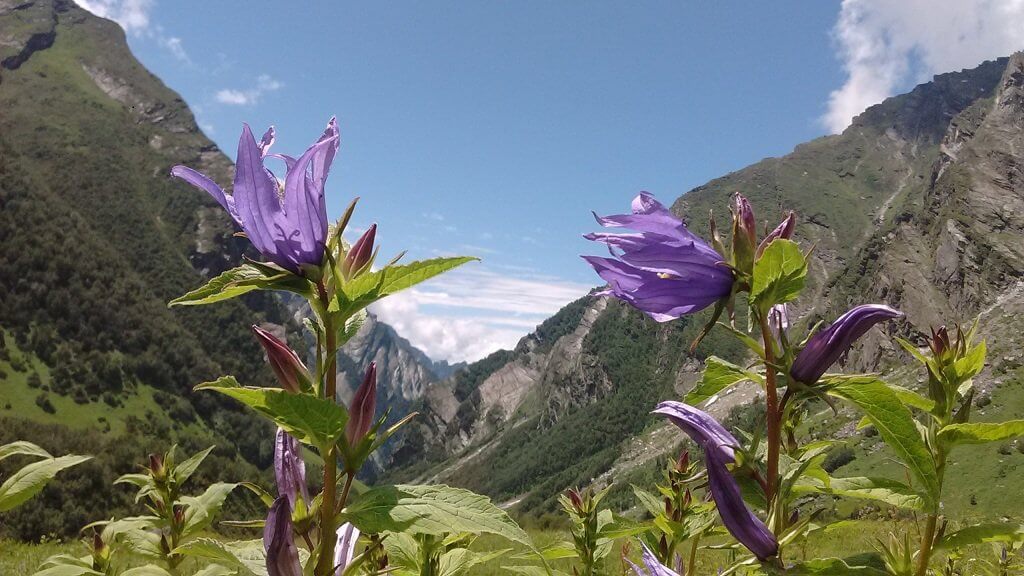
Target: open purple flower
289 228
651 567
289 469
718 446
279 541
665 271
828 345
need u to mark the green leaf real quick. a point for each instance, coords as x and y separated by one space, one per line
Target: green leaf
980 432
22 448
894 423
200 510
31 479
66 565
912 399
779 274
718 375
147 570
431 510
878 489
213 551
398 278
315 421
184 471
981 533
833 567
243 279
969 366
649 501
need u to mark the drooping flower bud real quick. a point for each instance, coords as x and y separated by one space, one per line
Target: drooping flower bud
784 230
285 363
827 346
289 469
363 407
360 253
279 541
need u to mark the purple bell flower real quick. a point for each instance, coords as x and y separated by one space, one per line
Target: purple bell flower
289 469
665 271
651 567
345 548
828 345
718 446
289 228
279 541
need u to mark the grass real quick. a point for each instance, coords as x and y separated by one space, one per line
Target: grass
19 398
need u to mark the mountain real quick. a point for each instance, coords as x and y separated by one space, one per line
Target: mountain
918 204
95 239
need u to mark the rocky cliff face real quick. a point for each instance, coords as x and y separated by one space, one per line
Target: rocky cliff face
919 204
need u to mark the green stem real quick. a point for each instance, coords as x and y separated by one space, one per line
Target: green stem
772 415
924 557
325 562
691 564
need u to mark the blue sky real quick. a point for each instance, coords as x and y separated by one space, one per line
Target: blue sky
493 128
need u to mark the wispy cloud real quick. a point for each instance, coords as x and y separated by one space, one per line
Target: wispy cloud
174 46
474 311
249 96
885 45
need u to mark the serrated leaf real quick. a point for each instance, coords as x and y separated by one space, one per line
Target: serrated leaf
717 376
64 565
434 510
213 551
649 501
184 471
779 274
30 480
200 510
980 432
22 448
981 533
223 287
315 421
878 489
404 276
912 399
894 423
833 567
147 570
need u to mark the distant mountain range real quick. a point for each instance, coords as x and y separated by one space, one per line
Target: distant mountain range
919 203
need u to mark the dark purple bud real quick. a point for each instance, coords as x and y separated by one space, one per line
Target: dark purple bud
718 445
827 346
289 468
360 253
784 230
179 515
156 467
363 407
665 270
279 541
939 342
285 363
574 497
345 548
683 463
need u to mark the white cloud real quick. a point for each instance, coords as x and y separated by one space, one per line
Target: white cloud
232 97
174 46
884 45
132 15
474 311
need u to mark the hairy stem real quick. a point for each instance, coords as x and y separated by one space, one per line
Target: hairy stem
926 545
772 415
691 564
325 562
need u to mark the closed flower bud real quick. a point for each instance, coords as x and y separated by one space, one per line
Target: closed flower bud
827 346
363 407
683 463
156 467
784 230
744 233
285 363
360 254
574 497
939 342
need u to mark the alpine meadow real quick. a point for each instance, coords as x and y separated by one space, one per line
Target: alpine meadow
213 362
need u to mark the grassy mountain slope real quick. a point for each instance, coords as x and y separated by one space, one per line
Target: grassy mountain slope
916 204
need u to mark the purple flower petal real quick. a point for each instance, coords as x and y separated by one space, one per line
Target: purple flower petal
258 204
827 346
718 446
289 469
652 567
209 186
279 541
344 550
